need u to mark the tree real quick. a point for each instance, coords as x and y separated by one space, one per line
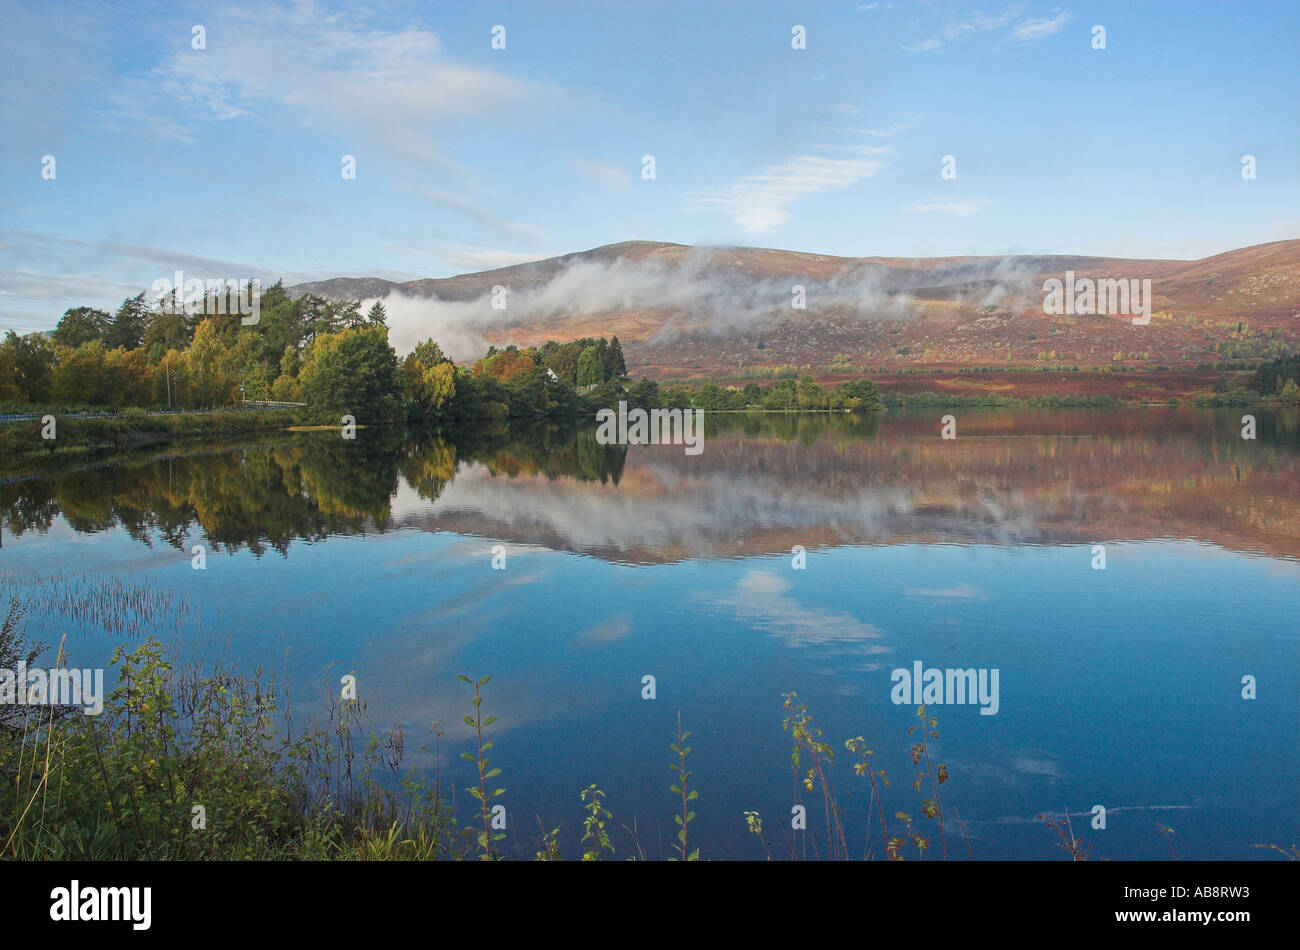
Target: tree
128 326
864 390
429 377
711 398
80 325
352 372
1291 393
347 315
378 316
810 395
591 370
612 358
128 378
165 331
208 365
782 395
80 377
32 364
9 389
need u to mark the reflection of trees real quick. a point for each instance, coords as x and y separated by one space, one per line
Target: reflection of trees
268 493
1136 473
792 426
428 465
259 496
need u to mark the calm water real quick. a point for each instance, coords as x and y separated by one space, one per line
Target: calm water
1120 687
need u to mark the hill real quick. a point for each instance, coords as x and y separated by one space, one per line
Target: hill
731 312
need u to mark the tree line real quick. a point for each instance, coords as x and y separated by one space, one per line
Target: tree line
338 361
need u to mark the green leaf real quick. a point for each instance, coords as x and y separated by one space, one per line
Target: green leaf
464 679
493 774
693 795
484 681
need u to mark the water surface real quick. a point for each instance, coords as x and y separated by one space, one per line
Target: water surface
1120 687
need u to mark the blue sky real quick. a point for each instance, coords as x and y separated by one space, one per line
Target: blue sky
225 161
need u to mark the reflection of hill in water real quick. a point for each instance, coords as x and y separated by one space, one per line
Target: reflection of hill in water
762 484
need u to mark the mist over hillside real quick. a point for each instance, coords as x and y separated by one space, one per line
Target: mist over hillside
682 309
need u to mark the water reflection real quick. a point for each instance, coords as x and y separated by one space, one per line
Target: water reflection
763 483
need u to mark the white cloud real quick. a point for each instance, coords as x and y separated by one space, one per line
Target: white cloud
950 205
464 207
758 203
1036 28
389 91
1010 20
469 258
607 175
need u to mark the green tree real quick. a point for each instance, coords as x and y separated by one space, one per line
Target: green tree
80 378
782 395
352 372
612 359
165 331
127 328
863 390
31 359
711 397
591 371
80 325
208 365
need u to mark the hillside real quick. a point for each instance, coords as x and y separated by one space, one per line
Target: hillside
683 311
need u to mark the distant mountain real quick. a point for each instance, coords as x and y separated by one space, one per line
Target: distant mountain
681 310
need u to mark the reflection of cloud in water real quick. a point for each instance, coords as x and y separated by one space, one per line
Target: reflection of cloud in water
957 592
759 600
1030 766
613 628
660 510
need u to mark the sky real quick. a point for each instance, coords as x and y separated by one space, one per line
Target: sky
228 161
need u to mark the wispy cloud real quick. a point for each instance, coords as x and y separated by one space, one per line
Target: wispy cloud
1039 27
896 124
1011 24
950 205
459 205
607 175
759 203
393 90
471 258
